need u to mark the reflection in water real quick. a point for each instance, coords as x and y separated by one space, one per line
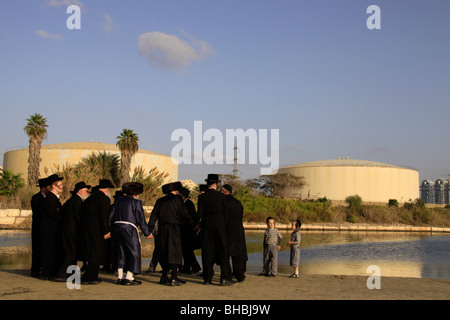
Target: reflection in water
403 254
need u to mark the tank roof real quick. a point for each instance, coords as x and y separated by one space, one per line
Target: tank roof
94 146
348 163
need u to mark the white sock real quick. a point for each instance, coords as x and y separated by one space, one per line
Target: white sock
120 273
129 276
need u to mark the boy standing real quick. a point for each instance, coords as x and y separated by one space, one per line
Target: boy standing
272 243
295 247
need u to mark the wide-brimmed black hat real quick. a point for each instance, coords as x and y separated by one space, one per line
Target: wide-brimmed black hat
42 183
212 178
118 194
185 192
173 186
132 188
79 186
228 188
104 184
53 178
202 187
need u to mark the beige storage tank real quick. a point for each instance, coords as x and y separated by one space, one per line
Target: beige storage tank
372 181
55 155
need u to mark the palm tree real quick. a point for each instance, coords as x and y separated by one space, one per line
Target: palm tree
128 145
101 165
36 129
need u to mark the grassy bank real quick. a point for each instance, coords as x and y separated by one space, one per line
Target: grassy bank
258 208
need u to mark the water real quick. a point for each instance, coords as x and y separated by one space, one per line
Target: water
403 254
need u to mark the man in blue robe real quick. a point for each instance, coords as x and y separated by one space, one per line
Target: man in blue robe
126 215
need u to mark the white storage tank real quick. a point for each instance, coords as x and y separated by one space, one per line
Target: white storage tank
372 181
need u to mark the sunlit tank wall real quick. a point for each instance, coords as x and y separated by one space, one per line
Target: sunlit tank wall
372 181
55 155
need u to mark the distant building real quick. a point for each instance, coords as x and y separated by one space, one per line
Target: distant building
436 192
427 191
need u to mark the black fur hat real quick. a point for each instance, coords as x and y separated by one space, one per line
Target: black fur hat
173 186
132 188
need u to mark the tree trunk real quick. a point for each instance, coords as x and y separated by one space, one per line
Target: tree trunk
34 161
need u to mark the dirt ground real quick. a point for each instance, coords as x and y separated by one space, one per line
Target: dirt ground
18 285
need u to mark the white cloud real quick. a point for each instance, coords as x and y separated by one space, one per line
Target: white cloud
170 52
44 34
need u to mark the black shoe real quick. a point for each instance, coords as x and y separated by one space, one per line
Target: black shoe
207 282
175 282
60 279
164 280
226 282
126 282
97 281
181 281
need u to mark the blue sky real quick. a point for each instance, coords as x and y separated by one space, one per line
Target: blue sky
311 69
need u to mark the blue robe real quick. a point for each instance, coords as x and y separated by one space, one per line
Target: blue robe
125 217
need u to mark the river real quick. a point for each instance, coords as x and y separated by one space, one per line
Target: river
396 254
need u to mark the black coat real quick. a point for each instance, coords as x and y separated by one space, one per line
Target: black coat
50 228
71 231
37 204
169 211
212 209
95 224
234 228
187 232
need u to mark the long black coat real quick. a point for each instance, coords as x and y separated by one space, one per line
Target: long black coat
169 212
212 208
71 231
37 204
95 214
187 232
50 228
234 228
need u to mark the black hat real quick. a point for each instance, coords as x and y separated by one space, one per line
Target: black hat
78 186
228 188
118 194
53 178
42 183
173 186
185 192
104 184
132 188
202 187
212 178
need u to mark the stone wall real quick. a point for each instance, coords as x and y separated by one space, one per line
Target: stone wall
14 216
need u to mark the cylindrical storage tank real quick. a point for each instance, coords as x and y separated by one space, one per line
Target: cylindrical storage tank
372 181
55 155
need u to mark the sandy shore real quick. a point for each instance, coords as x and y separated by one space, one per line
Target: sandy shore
18 285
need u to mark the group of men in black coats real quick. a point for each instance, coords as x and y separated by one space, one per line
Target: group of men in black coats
216 228
75 231
82 228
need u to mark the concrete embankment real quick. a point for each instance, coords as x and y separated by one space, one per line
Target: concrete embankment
351 227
